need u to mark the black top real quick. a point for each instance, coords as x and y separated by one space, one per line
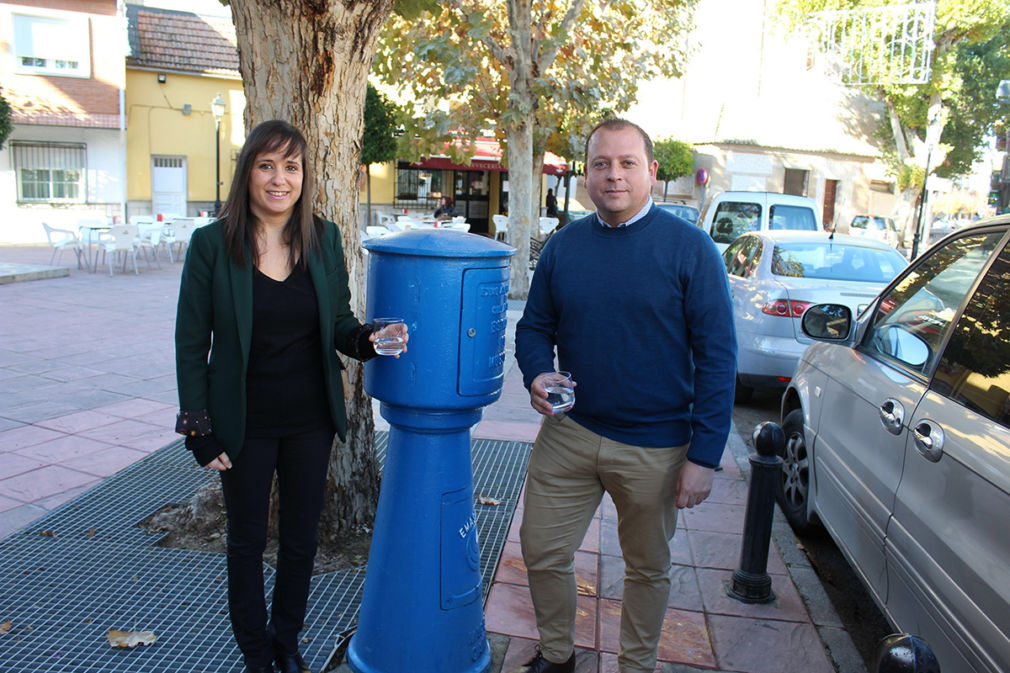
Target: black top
285 389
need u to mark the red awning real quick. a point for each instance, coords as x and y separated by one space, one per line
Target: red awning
487 157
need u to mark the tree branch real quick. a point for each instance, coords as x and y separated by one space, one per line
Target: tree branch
546 59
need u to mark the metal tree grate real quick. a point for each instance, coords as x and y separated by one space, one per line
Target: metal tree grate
63 586
110 511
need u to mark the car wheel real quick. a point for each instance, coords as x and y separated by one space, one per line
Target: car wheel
794 479
743 393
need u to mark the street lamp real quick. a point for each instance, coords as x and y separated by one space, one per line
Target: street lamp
217 108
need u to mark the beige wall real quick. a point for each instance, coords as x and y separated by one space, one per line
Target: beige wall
763 169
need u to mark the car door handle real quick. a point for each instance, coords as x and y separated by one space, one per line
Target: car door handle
928 439
892 415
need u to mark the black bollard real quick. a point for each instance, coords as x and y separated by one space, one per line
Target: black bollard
751 582
905 653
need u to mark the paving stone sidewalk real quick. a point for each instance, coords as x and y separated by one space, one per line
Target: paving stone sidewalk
87 388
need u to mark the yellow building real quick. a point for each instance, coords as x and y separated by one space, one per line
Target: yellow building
179 65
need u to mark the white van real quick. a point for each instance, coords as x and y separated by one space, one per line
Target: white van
729 214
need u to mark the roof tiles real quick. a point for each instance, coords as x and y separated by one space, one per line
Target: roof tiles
181 41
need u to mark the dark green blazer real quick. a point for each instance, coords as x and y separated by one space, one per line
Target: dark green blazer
215 317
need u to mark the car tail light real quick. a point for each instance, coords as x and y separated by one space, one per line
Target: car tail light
786 308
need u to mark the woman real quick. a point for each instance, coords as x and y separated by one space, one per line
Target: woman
264 291
446 210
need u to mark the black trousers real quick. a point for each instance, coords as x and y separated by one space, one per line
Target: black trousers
300 462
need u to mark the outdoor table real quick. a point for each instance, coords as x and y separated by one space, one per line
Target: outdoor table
94 229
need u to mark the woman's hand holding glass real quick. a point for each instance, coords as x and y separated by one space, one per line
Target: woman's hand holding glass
389 336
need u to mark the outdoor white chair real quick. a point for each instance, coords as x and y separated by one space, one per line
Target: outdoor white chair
61 239
459 219
373 230
149 240
501 227
121 239
178 234
548 225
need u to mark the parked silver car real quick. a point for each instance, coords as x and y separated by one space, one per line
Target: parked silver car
775 275
875 226
680 209
898 441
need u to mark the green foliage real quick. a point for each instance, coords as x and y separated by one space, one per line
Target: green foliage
6 125
378 143
411 9
459 67
909 176
974 110
971 55
675 159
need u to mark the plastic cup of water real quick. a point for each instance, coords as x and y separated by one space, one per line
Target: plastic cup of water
388 335
560 391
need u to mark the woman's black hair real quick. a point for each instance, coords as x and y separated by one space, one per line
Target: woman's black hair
302 231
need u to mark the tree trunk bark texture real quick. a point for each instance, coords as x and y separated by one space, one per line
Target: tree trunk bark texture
520 144
520 152
307 62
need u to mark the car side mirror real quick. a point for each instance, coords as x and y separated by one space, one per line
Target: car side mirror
827 322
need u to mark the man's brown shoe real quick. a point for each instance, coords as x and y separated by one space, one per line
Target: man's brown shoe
540 665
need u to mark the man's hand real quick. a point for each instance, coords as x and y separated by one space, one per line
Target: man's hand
693 485
538 393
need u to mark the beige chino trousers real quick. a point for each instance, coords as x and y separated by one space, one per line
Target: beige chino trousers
569 470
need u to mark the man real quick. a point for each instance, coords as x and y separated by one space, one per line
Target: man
636 301
552 204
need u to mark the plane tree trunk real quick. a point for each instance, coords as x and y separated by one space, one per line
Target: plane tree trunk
307 61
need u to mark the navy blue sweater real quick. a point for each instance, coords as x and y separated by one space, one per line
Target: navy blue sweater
642 318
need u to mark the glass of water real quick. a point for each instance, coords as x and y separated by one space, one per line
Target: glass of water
560 391
389 333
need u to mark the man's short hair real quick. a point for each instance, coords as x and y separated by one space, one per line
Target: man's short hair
616 124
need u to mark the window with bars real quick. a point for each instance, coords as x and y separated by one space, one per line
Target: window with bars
50 172
417 184
168 162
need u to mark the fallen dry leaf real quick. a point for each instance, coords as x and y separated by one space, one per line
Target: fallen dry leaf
47 533
91 532
5 628
130 638
484 500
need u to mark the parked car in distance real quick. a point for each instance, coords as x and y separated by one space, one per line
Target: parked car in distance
729 214
775 275
680 209
578 214
940 228
875 226
898 441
